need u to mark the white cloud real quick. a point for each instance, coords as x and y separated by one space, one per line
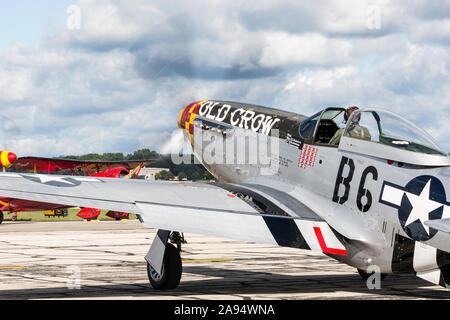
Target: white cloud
283 49
434 31
118 82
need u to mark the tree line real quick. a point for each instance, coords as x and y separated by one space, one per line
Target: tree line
141 154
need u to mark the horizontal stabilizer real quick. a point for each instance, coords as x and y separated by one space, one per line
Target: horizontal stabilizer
439 224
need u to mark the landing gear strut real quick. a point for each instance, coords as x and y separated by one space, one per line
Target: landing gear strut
177 239
164 267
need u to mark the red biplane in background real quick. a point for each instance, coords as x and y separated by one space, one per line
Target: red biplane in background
106 169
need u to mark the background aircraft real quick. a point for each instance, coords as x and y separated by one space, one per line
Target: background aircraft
107 169
376 201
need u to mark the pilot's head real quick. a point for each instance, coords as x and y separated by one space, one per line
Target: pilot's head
349 112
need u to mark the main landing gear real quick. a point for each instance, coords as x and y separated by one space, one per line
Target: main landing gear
164 267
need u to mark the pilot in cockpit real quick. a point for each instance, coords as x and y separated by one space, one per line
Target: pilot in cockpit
354 129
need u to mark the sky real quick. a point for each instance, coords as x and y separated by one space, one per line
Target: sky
25 21
111 76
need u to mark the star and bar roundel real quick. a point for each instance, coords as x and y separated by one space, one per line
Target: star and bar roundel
422 199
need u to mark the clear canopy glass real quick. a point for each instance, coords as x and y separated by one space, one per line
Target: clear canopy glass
308 125
385 127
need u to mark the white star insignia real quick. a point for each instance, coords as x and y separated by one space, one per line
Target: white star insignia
49 178
422 205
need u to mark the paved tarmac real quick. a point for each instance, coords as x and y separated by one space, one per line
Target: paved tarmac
105 260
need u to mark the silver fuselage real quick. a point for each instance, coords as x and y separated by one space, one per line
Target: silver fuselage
373 232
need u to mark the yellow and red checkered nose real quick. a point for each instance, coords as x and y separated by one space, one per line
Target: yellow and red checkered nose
7 158
182 116
186 118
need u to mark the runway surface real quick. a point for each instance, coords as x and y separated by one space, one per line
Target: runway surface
48 260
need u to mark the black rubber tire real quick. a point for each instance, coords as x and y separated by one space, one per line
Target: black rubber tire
365 275
171 270
1 217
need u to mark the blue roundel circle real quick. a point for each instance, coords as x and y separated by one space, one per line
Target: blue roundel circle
418 192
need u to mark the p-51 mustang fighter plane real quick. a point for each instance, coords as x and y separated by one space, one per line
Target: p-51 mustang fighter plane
377 198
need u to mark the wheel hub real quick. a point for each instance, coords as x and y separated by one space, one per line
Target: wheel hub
154 275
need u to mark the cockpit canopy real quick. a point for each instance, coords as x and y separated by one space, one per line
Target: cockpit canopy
375 132
320 127
392 130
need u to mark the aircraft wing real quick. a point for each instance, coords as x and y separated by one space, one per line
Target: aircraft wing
7 204
217 210
55 164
